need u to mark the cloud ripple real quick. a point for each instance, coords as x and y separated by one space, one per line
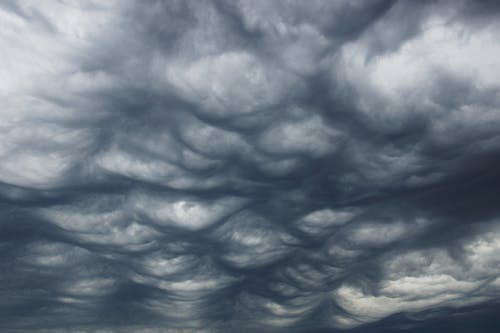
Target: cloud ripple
266 166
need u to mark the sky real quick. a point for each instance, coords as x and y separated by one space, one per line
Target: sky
249 166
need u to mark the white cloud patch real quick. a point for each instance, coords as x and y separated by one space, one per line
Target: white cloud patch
186 213
422 279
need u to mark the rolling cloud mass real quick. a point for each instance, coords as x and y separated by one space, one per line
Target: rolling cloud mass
249 166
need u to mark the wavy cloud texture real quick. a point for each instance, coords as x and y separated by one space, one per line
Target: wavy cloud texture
252 166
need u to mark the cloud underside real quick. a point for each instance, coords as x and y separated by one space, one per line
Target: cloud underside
262 166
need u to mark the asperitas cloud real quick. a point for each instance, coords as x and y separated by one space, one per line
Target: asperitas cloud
251 166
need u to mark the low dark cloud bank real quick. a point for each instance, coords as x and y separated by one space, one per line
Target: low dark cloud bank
249 166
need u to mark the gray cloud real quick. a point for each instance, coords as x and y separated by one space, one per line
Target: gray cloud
268 166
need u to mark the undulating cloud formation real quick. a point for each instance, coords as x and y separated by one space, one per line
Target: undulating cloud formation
249 166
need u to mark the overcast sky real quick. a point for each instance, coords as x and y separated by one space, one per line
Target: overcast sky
249 166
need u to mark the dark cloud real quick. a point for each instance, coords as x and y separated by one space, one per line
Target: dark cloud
259 166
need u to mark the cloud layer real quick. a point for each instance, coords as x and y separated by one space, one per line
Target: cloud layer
260 166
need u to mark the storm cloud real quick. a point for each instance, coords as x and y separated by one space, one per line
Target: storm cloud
251 166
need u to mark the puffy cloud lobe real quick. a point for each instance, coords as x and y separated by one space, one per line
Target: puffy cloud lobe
251 165
231 83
